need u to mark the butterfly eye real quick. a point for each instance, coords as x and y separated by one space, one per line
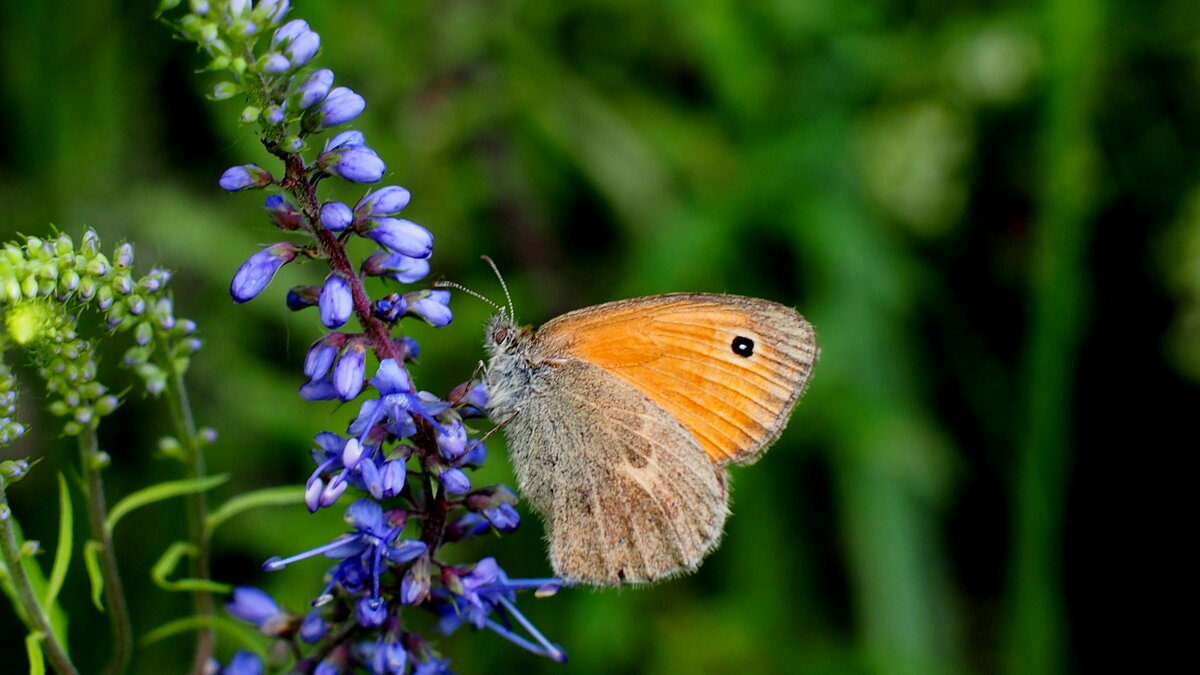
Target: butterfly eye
742 346
500 336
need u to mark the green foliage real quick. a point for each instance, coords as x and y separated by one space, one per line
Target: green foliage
900 172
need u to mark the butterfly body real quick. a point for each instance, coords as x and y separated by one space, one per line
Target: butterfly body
620 419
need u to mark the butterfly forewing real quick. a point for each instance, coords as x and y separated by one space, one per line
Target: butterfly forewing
728 368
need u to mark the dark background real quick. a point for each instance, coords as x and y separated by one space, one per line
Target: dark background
989 211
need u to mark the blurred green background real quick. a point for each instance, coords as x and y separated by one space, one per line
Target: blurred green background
990 212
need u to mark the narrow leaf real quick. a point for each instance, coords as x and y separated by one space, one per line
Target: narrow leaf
236 631
276 496
33 649
62 553
167 563
91 560
159 492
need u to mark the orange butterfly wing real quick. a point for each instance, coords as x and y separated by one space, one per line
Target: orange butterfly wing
729 368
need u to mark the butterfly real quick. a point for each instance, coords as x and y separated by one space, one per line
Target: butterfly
621 419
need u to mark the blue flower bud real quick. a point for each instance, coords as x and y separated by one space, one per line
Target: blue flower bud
224 90
352 452
284 213
253 605
357 164
392 476
452 439
302 297
455 481
401 236
289 31
336 302
336 216
402 268
383 202
332 492
370 612
319 360
318 390
433 306
245 177
270 11
390 307
315 88
312 494
340 106
243 662
346 139
313 627
503 517
348 372
414 587
302 48
254 274
274 63
273 114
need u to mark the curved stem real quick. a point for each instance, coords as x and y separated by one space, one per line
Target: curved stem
118 610
197 514
34 614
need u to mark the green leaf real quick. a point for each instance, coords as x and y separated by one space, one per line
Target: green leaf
33 649
276 496
158 493
236 631
91 560
167 563
62 553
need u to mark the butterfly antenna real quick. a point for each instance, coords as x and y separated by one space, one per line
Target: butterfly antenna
464 289
511 309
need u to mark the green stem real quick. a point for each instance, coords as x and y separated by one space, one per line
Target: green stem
197 512
34 614
1036 622
114 592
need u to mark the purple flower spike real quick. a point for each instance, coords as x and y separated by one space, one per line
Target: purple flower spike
402 236
348 373
336 216
245 177
357 164
254 274
302 48
383 202
315 88
433 306
341 106
336 302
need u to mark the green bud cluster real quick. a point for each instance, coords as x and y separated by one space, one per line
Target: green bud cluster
44 285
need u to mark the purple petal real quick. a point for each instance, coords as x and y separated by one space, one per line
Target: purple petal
252 605
348 372
359 164
302 48
289 31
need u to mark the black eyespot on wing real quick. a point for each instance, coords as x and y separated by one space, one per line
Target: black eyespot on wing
742 346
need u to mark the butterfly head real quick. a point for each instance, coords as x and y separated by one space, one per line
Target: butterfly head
504 336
